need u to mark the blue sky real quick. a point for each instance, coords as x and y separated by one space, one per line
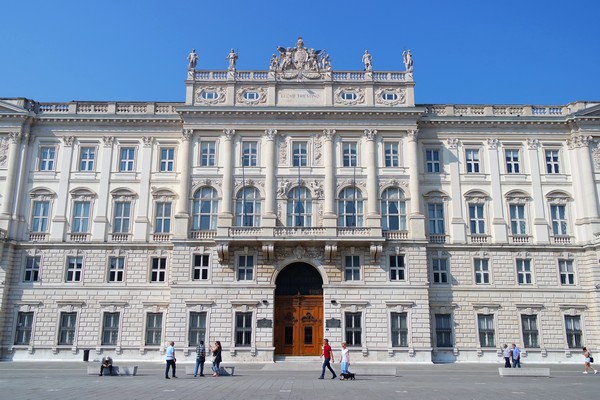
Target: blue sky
468 52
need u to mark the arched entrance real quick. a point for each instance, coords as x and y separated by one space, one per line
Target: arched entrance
298 311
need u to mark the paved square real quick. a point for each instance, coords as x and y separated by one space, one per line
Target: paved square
50 381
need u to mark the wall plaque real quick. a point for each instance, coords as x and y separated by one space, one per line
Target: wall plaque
264 323
333 323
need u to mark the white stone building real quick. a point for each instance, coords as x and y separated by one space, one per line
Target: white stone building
274 208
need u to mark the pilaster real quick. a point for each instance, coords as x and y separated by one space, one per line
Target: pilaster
499 227
182 216
58 226
457 223
540 221
329 214
416 217
225 218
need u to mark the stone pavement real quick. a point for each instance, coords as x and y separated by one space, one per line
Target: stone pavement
289 380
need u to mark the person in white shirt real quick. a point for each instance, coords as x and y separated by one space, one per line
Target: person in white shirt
344 360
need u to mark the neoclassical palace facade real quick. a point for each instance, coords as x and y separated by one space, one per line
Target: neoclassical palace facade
276 208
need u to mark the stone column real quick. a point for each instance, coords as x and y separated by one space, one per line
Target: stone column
499 226
104 196
540 223
373 219
457 224
269 218
12 163
587 222
182 215
225 213
329 213
416 217
57 228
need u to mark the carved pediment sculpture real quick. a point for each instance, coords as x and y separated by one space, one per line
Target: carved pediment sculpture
300 62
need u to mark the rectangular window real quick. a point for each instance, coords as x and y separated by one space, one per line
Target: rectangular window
245 268
353 329
482 271
558 213
153 329
81 217
518 223
207 154
47 158
116 269
439 269
399 330
87 158
432 161
567 273
530 331
197 331
74 269
472 161
66 334
110 328
39 218
243 329
23 328
352 268
435 213
32 269
485 323
159 269
349 154
162 220
476 219
524 275
167 159
397 268
127 160
573 328
392 154
443 330
200 268
512 161
300 154
552 162
122 217
249 154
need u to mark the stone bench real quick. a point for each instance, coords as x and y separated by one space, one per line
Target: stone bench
541 372
129 370
224 370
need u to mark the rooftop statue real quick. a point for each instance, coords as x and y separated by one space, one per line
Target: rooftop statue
232 57
366 59
300 62
192 59
408 61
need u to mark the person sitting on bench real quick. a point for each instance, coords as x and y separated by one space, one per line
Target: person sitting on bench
106 363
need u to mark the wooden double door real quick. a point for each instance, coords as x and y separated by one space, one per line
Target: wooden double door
298 325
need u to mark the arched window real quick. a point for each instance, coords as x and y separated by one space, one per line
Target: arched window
247 207
299 207
204 214
350 208
393 210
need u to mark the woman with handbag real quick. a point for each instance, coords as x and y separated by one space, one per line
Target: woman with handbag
588 361
216 357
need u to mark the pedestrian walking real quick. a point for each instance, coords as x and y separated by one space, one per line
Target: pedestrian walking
516 356
507 354
170 360
588 361
327 359
344 361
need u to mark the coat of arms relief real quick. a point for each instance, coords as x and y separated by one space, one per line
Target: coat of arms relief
300 62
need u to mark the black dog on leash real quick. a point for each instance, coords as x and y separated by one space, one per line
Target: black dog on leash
348 376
